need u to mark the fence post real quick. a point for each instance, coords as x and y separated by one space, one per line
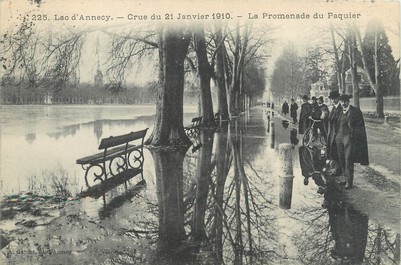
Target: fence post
386 119
285 175
272 136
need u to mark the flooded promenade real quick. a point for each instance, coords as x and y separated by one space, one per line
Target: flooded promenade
214 202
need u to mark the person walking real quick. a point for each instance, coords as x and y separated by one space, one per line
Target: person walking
306 111
316 113
324 117
331 148
314 105
285 108
293 111
351 140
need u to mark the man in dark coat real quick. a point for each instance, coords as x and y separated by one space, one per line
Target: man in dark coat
333 118
351 140
293 111
314 106
306 111
285 108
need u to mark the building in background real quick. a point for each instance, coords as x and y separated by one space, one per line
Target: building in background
363 82
320 89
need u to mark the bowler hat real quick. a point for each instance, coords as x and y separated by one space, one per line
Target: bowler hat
334 94
305 97
313 98
321 98
344 97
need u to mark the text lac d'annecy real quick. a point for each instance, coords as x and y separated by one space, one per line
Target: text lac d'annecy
83 17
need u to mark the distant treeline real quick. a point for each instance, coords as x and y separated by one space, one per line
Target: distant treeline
81 93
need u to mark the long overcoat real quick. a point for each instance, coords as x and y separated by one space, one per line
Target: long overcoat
306 111
293 109
359 138
285 108
332 127
325 111
358 135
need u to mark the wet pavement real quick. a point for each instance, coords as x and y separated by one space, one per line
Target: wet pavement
215 202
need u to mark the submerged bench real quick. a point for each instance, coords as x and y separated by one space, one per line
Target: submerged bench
193 128
122 158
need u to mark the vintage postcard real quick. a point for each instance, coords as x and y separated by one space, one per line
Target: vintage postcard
199 132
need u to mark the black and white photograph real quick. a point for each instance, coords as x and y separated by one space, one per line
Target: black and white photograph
183 132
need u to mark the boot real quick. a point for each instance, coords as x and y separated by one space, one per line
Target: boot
350 183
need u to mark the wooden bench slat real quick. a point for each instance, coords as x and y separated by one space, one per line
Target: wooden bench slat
111 153
119 147
196 122
121 139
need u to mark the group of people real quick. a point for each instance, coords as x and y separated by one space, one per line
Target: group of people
285 108
343 128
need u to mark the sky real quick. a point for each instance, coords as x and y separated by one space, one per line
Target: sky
114 16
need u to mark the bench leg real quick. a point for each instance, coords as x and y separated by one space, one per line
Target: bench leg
96 176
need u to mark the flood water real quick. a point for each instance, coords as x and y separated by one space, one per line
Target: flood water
215 202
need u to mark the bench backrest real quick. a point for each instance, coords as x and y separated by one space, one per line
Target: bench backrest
197 120
122 139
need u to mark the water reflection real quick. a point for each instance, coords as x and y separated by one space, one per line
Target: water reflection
285 124
170 194
214 203
66 131
349 230
30 137
208 194
119 200
347 236
97 125
293 136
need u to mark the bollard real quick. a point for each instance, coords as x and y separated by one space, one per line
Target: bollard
272 131
285 175
386 119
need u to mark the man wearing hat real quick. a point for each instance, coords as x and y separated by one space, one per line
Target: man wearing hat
306 111
333 118
314 103
293 111
350 139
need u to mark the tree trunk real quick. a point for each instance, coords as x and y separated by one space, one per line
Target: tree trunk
205 73
220 77
379 93
235 80
343 76
373 83
338 63
237 70
168 129
354 71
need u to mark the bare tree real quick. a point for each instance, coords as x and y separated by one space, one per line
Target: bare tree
205 72
339 62
221 54
373 80
63 55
